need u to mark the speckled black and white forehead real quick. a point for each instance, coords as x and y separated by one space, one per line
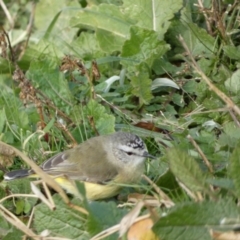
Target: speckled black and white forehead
130 140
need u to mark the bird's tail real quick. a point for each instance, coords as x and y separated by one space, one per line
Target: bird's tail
16 174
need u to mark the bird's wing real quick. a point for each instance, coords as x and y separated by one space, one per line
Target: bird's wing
85 162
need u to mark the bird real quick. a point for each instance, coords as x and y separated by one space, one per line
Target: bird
103 163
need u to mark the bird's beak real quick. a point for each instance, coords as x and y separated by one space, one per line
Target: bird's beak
147 155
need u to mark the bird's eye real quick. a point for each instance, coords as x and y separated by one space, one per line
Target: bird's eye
129 153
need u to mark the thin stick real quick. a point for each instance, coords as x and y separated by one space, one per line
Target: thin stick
208 164
11 218
234 118
7 13
167 200
28 30
49 180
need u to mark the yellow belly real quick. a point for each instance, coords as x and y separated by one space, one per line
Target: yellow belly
94 191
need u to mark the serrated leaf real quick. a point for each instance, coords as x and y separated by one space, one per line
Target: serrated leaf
103 121
186 170
143 46
192 220
141 87
62 222
20 186
152 15
234 169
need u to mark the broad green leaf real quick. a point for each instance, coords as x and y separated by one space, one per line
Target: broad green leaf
20 186
194 220
232 52
104 215
152 14
103 121
197 39
7 231
233 84
52 20
141 87
46 77
63 222
230 135
204 43
186 170
234 169
109 41
104 17
143 46
20 206
86 46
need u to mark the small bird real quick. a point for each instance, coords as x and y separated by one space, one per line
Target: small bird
103 163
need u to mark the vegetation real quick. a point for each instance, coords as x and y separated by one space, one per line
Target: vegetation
167 71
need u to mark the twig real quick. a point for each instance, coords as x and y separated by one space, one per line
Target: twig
166 200
11 218
208 164
29 221
212 87
234 118
50 181
28 30
208 23
7 13
9 45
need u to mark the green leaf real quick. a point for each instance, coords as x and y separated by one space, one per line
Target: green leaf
197 39
2 119
7 231
194 220
230 135
163 82
52 20
62 222
234 169
103 121
20 206
153 14
233 84
109 41
105 17
186 170
20 185
46 77
86 46
104 215
143 46
141 87
232 52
